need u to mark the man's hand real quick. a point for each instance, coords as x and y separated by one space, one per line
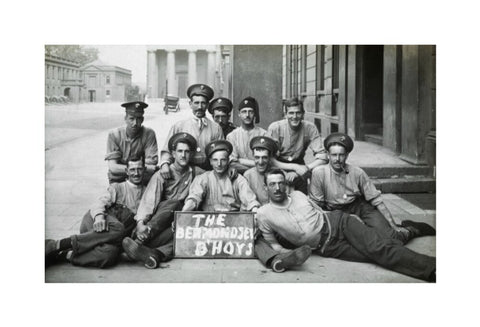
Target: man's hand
290 177
100 224
232 173
142 231
165 171
301 170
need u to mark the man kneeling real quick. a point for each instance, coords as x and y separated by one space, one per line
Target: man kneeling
333 234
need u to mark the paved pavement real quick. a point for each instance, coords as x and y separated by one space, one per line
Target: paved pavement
75 175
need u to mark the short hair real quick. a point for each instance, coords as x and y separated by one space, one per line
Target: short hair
175 144
136 158
261 149
336 143
273 171
294 102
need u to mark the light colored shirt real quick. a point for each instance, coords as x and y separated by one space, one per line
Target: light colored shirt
333 190
240 139
159 189
257 184
125 193
299 222
293 143
213 193
120 147
209 132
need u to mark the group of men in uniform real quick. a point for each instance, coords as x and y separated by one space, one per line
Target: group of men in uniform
326 206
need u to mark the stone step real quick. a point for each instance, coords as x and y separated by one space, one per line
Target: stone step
396 171
407 184
374 138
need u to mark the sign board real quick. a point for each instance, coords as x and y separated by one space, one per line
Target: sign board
214 235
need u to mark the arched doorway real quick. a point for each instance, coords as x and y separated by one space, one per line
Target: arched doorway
66 92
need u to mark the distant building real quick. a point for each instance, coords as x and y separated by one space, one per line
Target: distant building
383 94
63 78
176 67
106 83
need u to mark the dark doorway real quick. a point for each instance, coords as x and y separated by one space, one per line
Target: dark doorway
66 92
182 79
92 95
371 127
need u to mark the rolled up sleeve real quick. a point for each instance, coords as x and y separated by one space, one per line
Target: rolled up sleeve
151 148
197 190
113 148
369 190
247 196
316 187
106 200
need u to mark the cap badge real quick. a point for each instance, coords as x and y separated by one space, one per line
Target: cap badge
262 141
137 105
212 146
184 134
202 87
342 138
219 100
246 101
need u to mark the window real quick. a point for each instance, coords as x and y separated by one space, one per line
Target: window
107 79
107 93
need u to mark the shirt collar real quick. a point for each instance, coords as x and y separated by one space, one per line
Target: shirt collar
203 121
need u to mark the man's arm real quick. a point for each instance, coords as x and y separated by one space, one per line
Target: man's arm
388 215
116 168
299 169
165 157
268 233
99 209
315 191
196 193
247 196
374 196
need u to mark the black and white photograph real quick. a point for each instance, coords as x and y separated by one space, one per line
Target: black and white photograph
326 153
219 163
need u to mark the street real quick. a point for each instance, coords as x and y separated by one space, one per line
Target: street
76 174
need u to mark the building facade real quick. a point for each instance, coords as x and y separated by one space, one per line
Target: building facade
105 83
63 78
383 94
171 69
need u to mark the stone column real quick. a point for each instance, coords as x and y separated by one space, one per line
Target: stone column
211 68
172 86
152 86
192 67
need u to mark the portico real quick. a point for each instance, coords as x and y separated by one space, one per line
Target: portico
171 69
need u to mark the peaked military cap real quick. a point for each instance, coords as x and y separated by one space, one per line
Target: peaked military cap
135 108
220 104
200 89
340 138
184 138
217 146
250 102
264 142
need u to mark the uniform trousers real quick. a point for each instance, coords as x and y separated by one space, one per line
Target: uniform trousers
93 249
374 218
352 240
161 233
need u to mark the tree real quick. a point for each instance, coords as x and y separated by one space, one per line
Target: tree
78 53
